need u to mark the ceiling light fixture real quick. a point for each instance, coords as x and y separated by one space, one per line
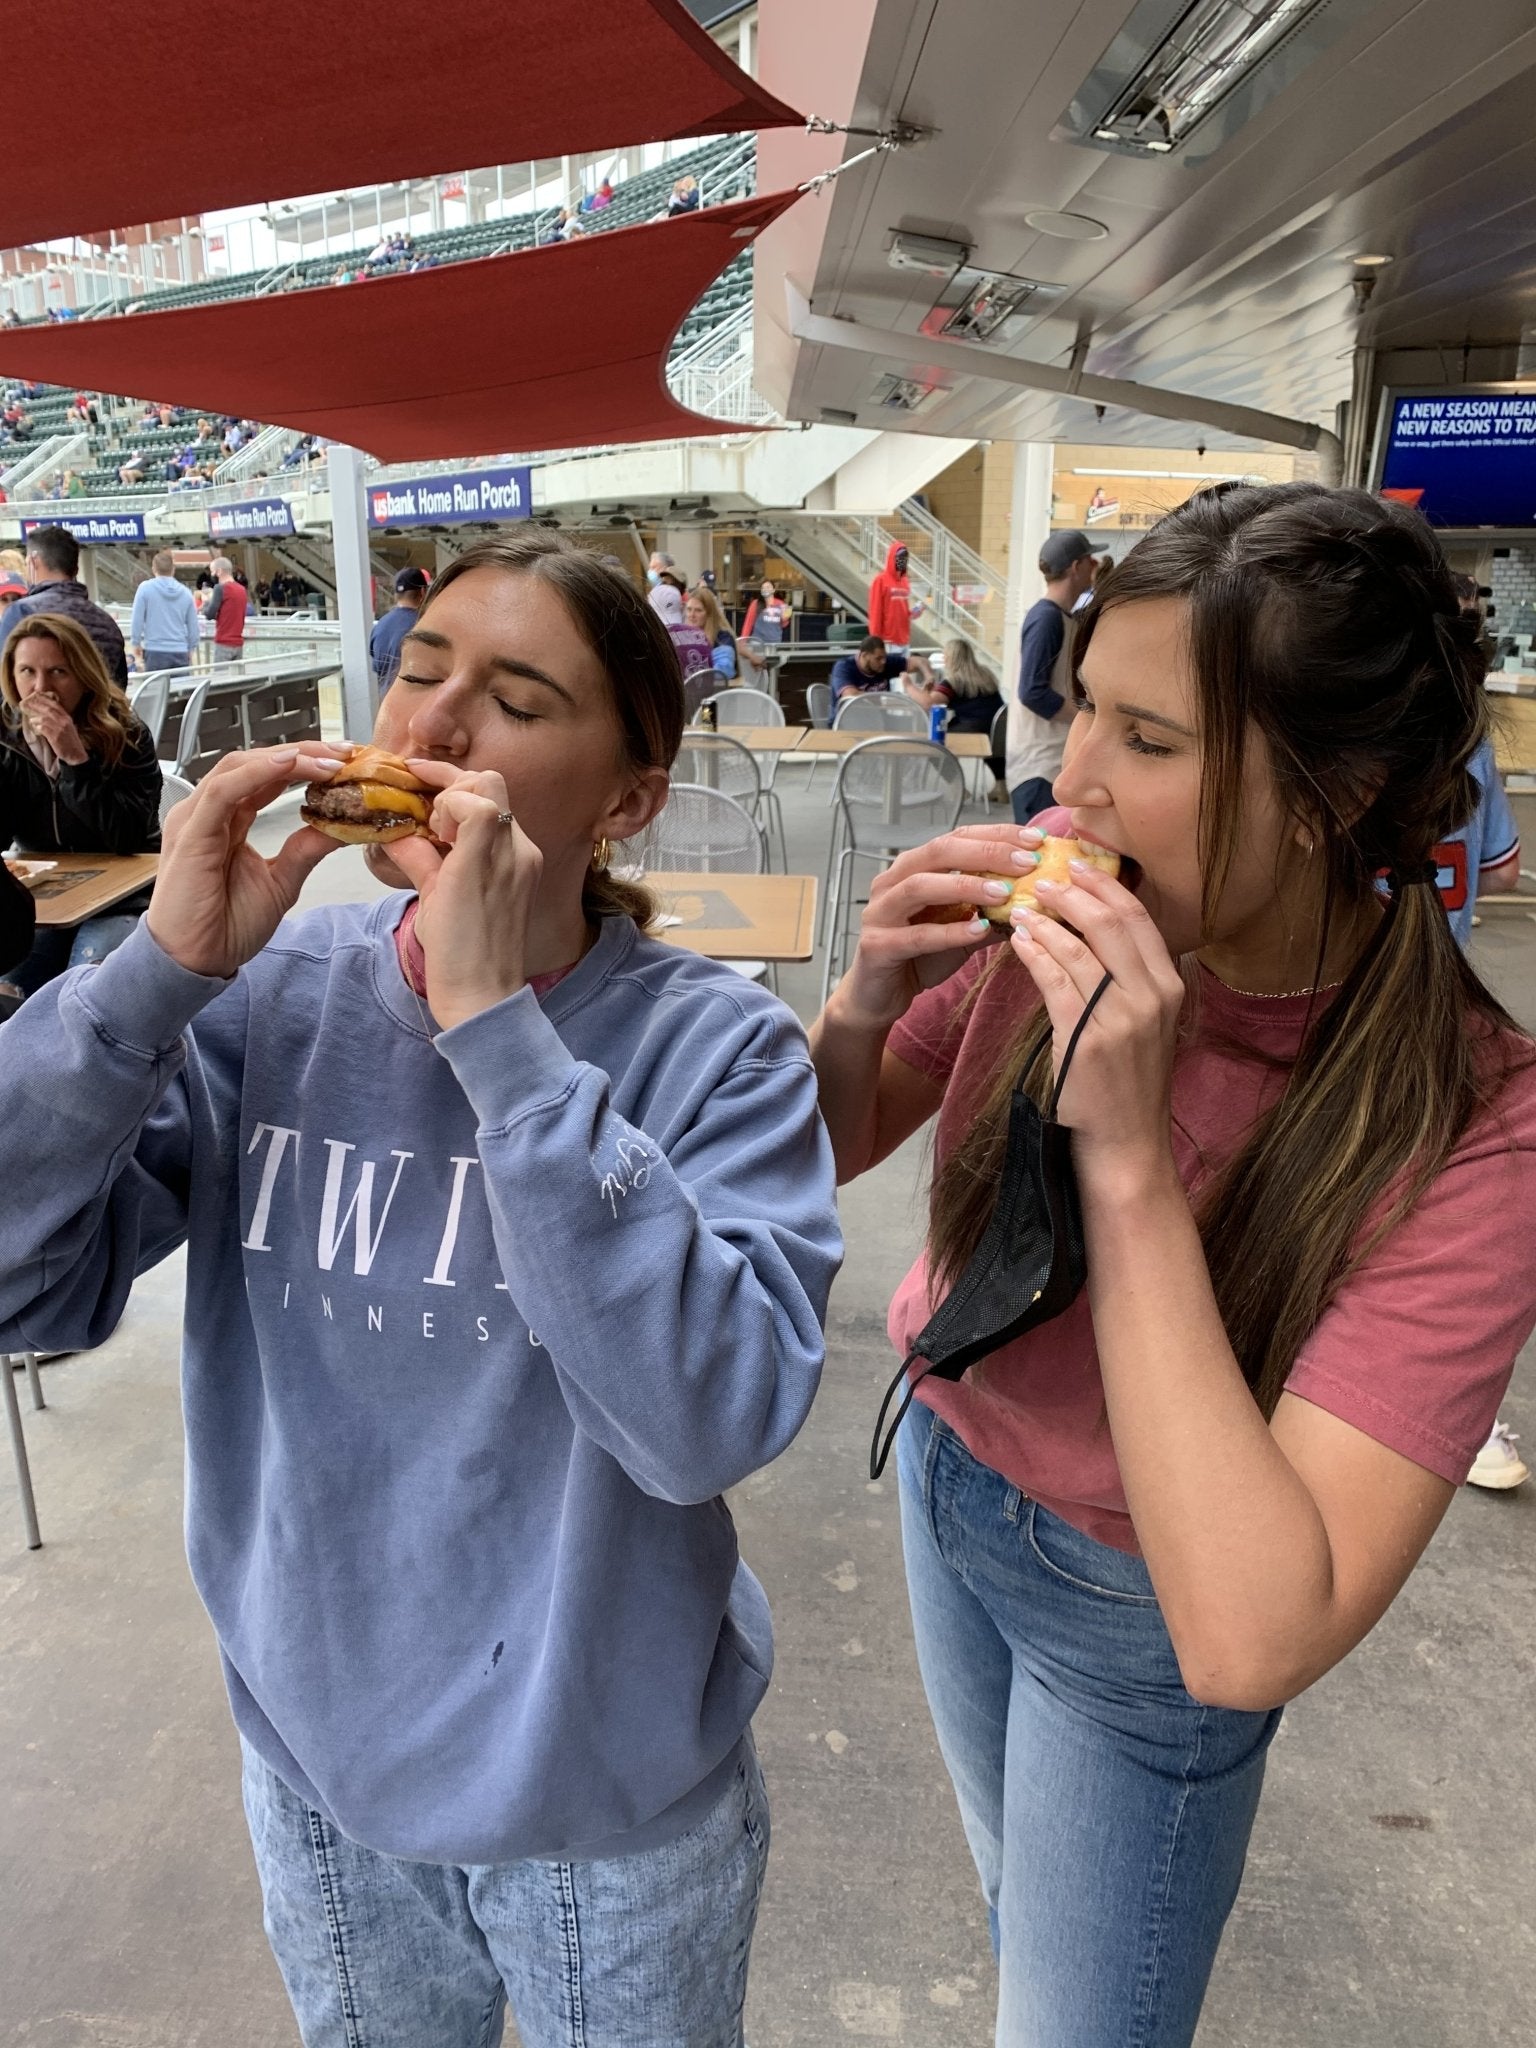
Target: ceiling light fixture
1371 262
1209 50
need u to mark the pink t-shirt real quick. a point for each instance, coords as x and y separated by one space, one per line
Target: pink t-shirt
1415 1350
412 956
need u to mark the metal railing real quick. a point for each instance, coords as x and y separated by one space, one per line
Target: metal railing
722 173
262 451
714 375
848 549
58 451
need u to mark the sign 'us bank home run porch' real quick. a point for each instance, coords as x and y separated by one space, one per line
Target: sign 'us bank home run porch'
453 499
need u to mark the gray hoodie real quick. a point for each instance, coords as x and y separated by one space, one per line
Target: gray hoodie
478 1331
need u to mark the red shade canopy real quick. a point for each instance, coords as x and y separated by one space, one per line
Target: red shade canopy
559 347
147 126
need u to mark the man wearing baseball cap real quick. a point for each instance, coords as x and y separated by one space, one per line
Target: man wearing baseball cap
384 642
1041 709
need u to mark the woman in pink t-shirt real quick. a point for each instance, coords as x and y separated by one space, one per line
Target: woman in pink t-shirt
1304 1138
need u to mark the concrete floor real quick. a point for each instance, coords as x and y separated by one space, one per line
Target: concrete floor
1389 1888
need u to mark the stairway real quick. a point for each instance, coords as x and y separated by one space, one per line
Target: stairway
841 551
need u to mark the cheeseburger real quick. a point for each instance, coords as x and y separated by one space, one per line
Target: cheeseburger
371 799
1054 855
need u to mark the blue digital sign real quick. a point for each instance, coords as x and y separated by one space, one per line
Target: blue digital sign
250 518
452 499
1463 457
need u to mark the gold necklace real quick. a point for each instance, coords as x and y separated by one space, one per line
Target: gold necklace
1283 995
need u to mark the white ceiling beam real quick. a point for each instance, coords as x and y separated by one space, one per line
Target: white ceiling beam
918 352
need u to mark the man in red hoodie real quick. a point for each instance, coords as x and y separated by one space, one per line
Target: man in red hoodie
892 607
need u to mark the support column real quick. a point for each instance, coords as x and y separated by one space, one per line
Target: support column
444 552
689 548
354 607
1034 464
88 574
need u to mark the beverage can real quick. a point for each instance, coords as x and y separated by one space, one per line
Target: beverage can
938 718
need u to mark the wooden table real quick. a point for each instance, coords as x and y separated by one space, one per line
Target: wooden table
82 885
739 917
765 739
965 746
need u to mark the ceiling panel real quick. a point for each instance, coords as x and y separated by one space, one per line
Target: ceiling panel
1230 278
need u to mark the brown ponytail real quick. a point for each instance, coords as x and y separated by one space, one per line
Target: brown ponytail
638 661
1325 623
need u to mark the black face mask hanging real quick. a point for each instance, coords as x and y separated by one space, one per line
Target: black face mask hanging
1030 1264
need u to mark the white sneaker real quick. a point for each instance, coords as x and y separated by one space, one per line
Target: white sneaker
1499 1465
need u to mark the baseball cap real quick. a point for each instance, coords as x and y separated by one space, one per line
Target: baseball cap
1061 550
411 579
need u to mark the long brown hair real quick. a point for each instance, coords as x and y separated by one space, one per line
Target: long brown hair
715 621
1324 624
637 658
104 718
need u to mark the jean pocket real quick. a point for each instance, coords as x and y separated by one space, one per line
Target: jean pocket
1092 1567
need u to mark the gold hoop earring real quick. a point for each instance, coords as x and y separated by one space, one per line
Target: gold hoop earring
602 853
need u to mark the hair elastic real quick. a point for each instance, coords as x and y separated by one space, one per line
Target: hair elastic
1404 877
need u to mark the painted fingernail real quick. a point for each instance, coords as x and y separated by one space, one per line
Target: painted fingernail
1081 867
1053 887
285 757
976 927
1024 859
998 891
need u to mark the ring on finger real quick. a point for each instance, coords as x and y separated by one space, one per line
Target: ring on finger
505 818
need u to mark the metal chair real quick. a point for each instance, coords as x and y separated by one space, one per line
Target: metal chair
191 722
891 793
881 711
150 700
745 706
716 761
742 705
818 702
703 831
18 1440
172 789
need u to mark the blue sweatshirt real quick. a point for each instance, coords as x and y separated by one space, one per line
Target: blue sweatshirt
477 1332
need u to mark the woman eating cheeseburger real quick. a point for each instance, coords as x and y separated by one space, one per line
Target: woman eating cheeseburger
1303 1135
510 1232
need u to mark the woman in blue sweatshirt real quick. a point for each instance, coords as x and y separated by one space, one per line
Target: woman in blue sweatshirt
509 1237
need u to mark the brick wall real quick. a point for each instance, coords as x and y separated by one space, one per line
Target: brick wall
1513 581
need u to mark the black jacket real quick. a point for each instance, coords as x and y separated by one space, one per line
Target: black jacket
91 809
73 601
18 918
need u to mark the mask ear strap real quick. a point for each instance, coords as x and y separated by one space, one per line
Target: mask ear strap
878 1452
1066 1058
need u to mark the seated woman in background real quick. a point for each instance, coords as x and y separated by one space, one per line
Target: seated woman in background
971 691
691 643
78 774
704 612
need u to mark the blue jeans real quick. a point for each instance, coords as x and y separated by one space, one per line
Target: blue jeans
1030 799
1108 1812
642 1951
59 947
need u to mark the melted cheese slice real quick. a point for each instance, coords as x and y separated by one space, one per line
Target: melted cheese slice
403 803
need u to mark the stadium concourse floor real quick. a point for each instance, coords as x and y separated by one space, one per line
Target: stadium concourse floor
1389 1888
